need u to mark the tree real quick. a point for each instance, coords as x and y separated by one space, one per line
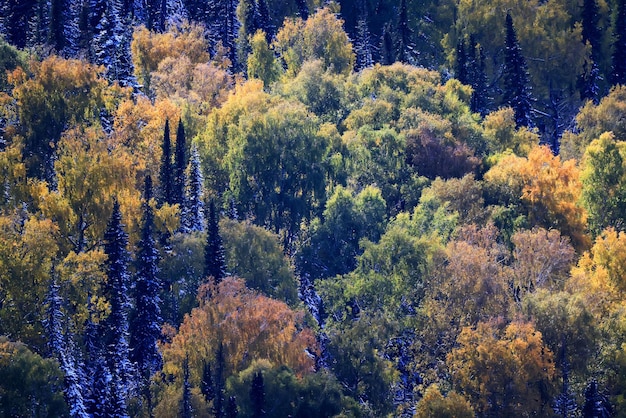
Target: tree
363 42
590 27
596 405
262 63
434 404
405 48
207 386
194 214
618 70
116 291
186 409
145 327
166 194
503 370
231 408
180 166
257 395
30 384
516 83
214 259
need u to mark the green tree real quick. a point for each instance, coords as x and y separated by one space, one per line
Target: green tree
262 63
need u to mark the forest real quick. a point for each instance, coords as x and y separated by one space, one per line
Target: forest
297 208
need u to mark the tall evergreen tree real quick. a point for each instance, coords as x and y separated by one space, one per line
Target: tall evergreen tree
596 405
387 52
186 410
146 323
618 70
57 23
590 29
116 290
303 9
194 219
231 408
221 19
166 179
265 20
220 365
207 386
180 165
460 68
39 24
257 395
15 18
516 83
479 102
363 41
405 47
214 258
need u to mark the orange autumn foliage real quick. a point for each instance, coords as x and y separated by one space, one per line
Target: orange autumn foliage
248 325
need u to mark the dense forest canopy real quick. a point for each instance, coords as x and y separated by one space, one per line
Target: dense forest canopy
361 208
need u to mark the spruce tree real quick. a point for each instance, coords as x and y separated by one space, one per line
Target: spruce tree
231 408
590 29
516 83
479 102
207 386
363 40
116 290
180 164
405 48
166 171
618 70
214 258
303 9
460 68
186 410
62 351
265 20
15 18
194 219
220 366
257 395
146 324
596 405
387 53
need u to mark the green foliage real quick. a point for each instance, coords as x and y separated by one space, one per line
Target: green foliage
255 254
261 62
29 384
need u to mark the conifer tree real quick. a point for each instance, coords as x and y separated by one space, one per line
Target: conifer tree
73 384
265 20
303 9
590 28
186 410
214 258
596 405
257 395
165 171
220 365
116 290
363 40
223 23
618 71
516 88
206 384
15 18
479 102
405 48
248 15
460 69
180 165
194 220
57 23
387 54
231 408
146 324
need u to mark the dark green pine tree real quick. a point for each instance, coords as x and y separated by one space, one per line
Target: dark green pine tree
194 219
387 52
186 410
220 365
231 408
15 18
257 395
460 68
590 27
214 257
618 70
146 322
207 387
596 405
405 47
166 171
265 20
57 23
363 40
303 9
180 165
224 25
115 326
479 102
516 83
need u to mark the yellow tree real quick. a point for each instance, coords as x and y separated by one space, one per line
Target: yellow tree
545 189
504 370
